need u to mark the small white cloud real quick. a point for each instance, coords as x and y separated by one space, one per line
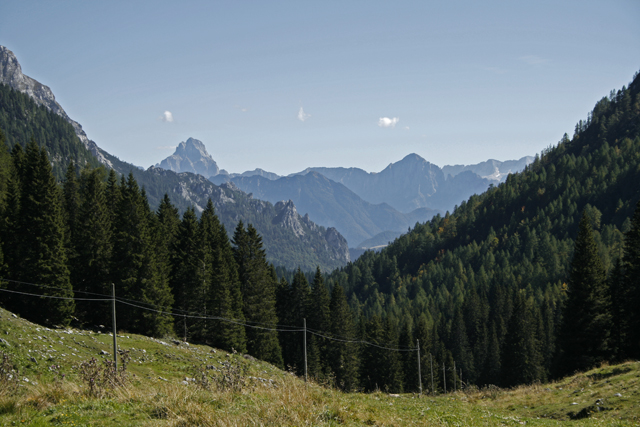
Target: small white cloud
167 117
302 116
533 60
406 128
166 147
386 122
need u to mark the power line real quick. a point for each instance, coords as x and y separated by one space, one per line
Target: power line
52 287
363 342
180 313
195 315
55 297
224 319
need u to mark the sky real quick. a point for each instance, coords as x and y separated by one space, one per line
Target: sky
286 85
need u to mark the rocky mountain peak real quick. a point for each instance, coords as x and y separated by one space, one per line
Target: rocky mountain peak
11 75
287 216
191 156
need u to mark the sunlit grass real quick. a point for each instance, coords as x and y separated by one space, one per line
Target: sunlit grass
160 391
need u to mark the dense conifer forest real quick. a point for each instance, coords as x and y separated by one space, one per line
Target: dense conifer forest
534 279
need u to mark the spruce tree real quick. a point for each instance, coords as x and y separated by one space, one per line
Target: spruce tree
408 359
258 283
460 348
319 318
294 313
71 204
6 168
423 335
632 283
619 317
134 267
40 230
586 314
493 363
224 299
189 281
372 369
393 378
343 354
91 245
521 354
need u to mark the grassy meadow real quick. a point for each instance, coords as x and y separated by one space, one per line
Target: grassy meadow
47 377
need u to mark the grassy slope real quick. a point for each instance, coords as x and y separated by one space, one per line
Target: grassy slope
157 394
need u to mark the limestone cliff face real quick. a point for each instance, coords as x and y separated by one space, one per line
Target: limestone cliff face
328 241
11 75
191 156
288 217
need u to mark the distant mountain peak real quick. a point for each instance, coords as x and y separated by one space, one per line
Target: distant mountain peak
191 156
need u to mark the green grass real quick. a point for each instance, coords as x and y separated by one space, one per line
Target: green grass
157 393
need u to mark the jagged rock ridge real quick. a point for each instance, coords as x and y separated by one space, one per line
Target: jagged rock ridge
11 74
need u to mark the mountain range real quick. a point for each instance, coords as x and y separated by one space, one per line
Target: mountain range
29 109
360 204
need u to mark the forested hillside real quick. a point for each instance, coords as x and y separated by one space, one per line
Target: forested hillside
486 285
22 119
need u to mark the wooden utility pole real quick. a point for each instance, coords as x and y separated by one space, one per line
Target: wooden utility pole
444 378
115 342
419 371
455 385
433 390
305 349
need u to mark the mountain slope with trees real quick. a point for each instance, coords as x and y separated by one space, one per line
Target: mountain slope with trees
492 283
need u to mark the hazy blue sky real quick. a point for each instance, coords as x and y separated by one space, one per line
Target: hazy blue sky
287 85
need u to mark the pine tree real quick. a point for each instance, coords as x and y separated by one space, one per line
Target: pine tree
408 359
224 299
586 315
6 168
422 334
319 318
632 283
40 230
135 270
373 368
521 354
157 289
460 348
619 317
257 282
295 305
70 191
393 378
188 281
343 354
493 363
91 244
